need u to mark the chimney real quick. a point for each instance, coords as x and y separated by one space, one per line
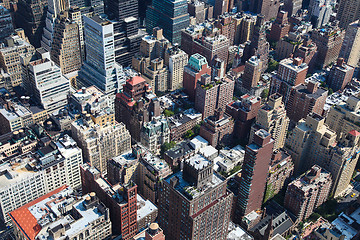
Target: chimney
340 62
297 61
312 87
157 33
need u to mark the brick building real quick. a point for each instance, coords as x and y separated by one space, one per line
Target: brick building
280 27
304 99
120 199
218 129
291 72
244 112
340 75
195 203
197 66
135 105
307 192
254 174
212 94
328 41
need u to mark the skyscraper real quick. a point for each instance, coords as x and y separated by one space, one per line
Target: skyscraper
348 12
65 48
350 49
320 11
193 71
195 203
100 68
307 192
170 15
6 24
340 75
258 45
101 138
272 118
176 60
252 73
55 7
46 83
328 41
254 174
31 17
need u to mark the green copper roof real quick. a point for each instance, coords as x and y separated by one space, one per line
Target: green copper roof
196 61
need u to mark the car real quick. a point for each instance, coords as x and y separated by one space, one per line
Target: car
353 195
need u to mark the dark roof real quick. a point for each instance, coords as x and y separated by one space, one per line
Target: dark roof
179 150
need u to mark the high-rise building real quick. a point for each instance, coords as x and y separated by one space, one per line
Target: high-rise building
340 75
183 210
100 68
350 49
101 138
127 35
221 7
268 8
310 140
30 16
6 24
197 67
120 199
171 16
10 53
348 12
155 133
328 41
226 24
287 45
291 72
212 94
280 172
305 99
320 11
81 218
55 8
76 17
29 176
46 83
308 52
252 73
65 47
258 45
254 174
245 29
218 129
292 6
280 27
244 112
272 118
176 60
343 117
307 192
157 75
135 105
212 48
152 171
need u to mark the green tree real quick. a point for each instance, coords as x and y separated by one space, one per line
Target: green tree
168 113
189 134
166 146
272 66
265 93
196 129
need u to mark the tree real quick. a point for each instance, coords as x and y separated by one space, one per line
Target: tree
168 113
196 129
265 93
273 65
166 146
189 134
